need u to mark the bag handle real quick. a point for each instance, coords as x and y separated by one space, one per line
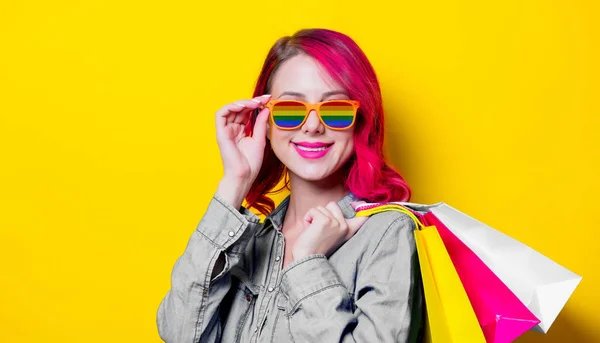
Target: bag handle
365 210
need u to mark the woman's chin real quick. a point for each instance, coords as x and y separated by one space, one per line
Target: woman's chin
312 177
311 173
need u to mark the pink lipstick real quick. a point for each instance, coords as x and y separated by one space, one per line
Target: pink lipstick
312 150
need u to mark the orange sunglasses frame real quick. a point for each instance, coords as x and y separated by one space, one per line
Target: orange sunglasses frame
309 107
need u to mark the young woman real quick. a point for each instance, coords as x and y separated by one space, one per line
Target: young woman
311 272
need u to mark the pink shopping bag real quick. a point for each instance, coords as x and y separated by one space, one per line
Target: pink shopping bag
502 316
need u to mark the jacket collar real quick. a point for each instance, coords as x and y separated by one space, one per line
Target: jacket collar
275 218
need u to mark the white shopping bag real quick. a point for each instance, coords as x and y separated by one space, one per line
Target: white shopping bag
541 284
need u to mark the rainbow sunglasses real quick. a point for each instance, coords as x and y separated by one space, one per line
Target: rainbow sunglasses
334 114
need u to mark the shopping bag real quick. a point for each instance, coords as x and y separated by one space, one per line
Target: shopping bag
502 316
541 284
450 317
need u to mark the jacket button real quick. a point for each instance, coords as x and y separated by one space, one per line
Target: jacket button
231 233
277 258
270 289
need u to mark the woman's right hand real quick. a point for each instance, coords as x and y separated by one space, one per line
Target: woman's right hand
242 155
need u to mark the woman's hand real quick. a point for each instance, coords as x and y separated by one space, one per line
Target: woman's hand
326 230
241 155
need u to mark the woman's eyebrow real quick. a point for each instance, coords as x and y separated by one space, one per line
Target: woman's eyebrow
300 95
325 95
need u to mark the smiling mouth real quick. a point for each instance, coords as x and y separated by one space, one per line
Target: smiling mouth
322 148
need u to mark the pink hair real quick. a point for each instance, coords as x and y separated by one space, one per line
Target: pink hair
367 174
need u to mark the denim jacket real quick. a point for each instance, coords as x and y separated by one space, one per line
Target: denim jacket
369 290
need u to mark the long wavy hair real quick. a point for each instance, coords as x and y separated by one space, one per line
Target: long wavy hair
366 173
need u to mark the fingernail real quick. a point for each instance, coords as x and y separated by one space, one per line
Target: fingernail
239 104
356 203
256 101
266 95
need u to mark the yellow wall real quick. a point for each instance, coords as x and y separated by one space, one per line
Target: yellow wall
108 154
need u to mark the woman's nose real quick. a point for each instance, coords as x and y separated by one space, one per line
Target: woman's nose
313 124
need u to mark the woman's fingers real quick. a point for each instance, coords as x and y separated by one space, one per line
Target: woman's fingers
260 126
314 215
242 116
239 111
354 225
263 99
355 204
224 118
351 225
227 111
250 106
336 212
326 214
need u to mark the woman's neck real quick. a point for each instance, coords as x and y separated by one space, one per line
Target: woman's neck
305 195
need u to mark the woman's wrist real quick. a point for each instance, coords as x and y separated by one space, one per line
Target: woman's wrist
297 255
232 191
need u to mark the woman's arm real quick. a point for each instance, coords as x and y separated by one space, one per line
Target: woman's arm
189 311
389 299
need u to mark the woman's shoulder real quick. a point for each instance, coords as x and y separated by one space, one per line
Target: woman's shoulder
391 220
388 227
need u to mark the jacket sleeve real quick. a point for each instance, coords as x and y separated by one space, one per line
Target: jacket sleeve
189 312
388 294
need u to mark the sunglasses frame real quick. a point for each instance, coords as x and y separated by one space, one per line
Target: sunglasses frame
309 107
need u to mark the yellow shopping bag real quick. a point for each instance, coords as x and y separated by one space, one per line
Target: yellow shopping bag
450 316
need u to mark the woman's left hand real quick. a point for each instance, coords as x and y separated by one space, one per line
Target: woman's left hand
325 230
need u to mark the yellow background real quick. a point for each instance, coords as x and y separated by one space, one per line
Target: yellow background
108 153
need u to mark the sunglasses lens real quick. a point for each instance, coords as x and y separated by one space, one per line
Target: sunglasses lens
338 115
288 114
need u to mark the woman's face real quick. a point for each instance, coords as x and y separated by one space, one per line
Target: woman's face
300 78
